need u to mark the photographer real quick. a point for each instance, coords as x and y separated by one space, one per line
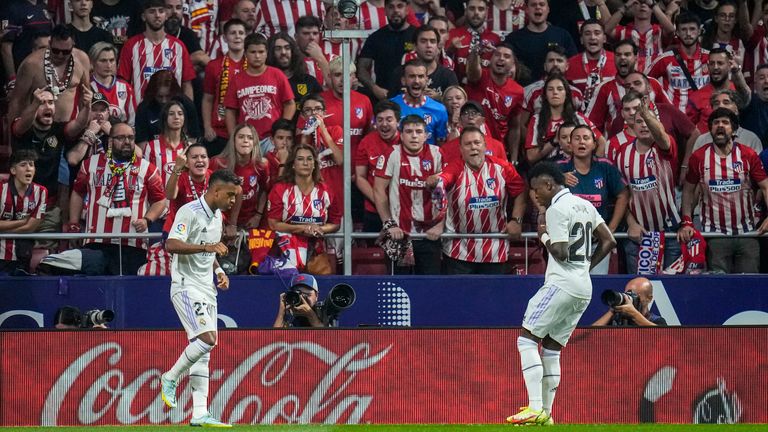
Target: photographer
631 312
70 317
306 314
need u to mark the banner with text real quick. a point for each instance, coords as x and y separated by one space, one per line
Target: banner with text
700 375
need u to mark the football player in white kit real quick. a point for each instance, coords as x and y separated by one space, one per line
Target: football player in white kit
194 241
567 231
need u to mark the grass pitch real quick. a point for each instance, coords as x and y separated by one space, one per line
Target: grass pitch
416 428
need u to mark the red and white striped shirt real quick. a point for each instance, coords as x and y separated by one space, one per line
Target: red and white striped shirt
651 181
587 74
605 106
121 98
410 201
487 39
213 85
332 48
201 17
673 80
162 156
273 16
140 58
219 48
649 44
314 69
477 203
288 204
726 184
371 17
756 52
141 186
615 143
188 191
503 22
532 97
14 207
735 46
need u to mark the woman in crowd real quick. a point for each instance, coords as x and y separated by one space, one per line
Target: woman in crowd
300 203
556 108
161 89
243 156
171 142
454 97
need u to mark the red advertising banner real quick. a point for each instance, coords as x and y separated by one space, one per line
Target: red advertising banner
670 375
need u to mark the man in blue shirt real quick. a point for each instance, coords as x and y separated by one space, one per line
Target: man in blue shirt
414 101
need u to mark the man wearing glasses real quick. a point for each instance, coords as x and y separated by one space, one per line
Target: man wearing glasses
126 194
61 68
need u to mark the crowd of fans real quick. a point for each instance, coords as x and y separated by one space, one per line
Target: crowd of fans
117 111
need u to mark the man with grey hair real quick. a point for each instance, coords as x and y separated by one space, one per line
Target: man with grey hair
731 100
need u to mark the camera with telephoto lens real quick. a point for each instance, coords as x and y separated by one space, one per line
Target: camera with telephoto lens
96 317
340 297
617 298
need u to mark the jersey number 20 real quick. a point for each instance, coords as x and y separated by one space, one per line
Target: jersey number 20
583 235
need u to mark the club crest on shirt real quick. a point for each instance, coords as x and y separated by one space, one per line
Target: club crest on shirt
380 162
427 165
359 112
252 180
650 161
318 204
491 183
507 100
599 183
427 118
168 53
302 89
52 142
181 228
738 167
121 94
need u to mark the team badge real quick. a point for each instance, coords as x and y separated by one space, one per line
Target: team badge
359 113
168 53
52 142
302 89
202 321
738 167
491 183
318 204
650 161
427 118
181 228
380 162
427 165
252 180
599 183
507 100
121 94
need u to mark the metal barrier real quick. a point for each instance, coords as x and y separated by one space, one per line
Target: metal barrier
354 235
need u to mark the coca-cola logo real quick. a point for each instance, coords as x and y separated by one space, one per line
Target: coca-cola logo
272 364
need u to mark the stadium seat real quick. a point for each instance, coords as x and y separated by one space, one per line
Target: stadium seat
517 257
369 261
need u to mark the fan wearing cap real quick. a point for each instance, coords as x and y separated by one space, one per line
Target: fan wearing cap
94 138
305 314
472 114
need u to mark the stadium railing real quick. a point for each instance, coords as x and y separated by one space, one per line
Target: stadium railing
354 235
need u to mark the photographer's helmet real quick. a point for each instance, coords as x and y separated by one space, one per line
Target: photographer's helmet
306 280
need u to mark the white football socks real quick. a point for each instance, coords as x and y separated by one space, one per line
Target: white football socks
191 354
198 380
550 361
530 362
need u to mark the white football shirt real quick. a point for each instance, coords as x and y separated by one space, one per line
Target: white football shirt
195 223
573 220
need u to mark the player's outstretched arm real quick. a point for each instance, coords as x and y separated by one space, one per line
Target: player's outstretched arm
605 244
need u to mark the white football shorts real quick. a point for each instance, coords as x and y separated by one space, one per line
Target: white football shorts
197 313
553 312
